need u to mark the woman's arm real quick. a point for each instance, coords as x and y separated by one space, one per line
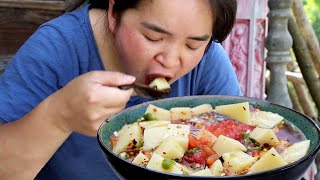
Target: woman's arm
28 144
81 106
43 99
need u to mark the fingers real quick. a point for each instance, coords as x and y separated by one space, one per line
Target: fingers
108 78
108 90
92 98
114 97
92 128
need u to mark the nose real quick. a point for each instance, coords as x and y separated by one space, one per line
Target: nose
169 57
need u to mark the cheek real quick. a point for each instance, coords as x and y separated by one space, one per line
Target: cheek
131 50
193 61
189 63
127 45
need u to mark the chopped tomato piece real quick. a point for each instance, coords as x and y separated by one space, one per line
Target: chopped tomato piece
211 159
255 153
229 128
205 154
198 157
207 149
195 142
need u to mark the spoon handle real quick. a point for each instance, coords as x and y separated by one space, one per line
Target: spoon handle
146 91
126 87
134 85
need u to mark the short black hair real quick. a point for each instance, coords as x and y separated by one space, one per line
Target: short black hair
224 13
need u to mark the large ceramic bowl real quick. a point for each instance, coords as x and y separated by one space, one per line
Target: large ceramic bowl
128 170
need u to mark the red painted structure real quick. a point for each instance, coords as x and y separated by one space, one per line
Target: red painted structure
246 46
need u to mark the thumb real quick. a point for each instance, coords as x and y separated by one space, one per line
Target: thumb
109 78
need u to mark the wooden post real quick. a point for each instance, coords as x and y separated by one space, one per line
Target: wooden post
279 42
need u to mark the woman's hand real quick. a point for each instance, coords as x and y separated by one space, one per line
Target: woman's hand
84 103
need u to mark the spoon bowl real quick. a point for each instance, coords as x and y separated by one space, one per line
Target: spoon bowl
147 90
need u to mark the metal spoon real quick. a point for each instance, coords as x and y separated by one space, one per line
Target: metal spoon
147 90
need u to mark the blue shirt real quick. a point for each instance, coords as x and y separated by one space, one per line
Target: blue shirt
65 48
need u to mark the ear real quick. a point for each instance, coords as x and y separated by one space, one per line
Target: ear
111 16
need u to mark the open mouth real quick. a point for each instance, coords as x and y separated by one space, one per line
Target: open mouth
150 78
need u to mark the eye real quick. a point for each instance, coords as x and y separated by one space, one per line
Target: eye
191 47
152 39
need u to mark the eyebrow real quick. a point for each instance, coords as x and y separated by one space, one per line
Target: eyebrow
199 38
155 28
161 30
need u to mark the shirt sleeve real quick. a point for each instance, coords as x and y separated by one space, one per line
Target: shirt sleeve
33 74
217 76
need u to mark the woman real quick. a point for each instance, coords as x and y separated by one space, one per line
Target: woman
63 82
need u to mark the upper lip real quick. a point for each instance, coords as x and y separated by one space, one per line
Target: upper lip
151 77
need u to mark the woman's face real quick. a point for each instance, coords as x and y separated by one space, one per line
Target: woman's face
163 38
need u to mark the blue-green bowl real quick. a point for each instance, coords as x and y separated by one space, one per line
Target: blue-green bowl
128 170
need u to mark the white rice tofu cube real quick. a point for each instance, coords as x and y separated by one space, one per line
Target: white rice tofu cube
296 151
237 111
151 124
203 172
170 148
129 138
264 136
158 113
270 160
180 113
141 159
155 163
181 132
153 137
216 168
203 108
160 83
265 119
225 144
237 162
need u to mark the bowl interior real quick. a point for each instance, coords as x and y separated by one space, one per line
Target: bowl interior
305 124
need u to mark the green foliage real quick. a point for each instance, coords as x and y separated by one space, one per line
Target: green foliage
312 8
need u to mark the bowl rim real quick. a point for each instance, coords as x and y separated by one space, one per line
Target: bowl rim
251 175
